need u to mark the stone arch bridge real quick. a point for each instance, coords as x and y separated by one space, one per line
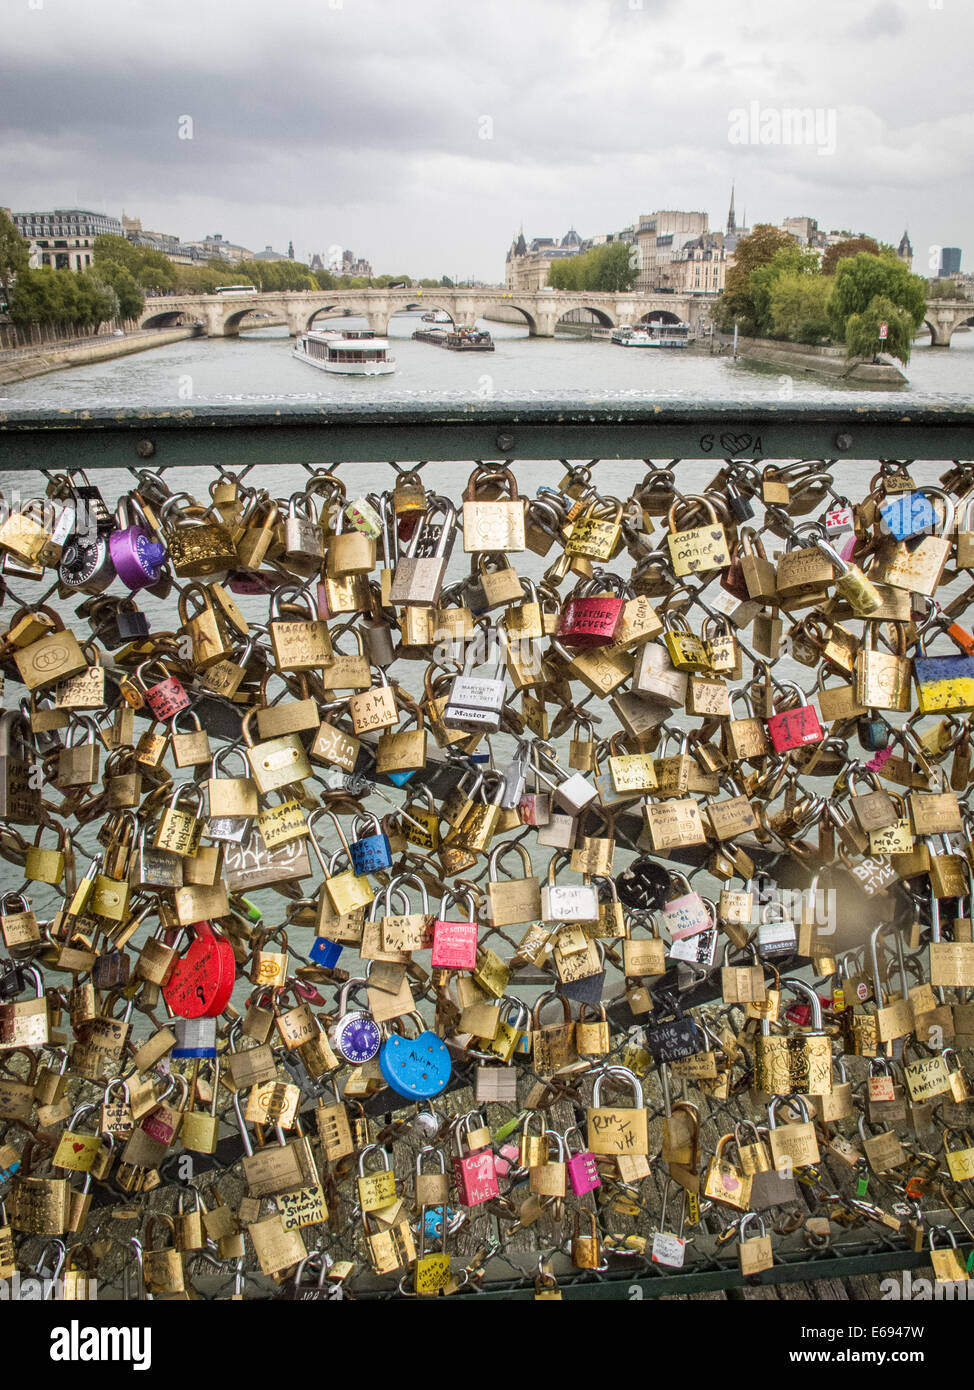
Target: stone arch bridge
944 316
224 315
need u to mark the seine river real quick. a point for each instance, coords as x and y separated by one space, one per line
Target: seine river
259 366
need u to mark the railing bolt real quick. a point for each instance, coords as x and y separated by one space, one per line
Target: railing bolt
843 441
145 448
505 443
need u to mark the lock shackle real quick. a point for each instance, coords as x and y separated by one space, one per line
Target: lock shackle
618 1073
802 988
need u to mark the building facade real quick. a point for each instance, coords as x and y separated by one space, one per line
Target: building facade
215 248
949 261
660 239
64 239
528 263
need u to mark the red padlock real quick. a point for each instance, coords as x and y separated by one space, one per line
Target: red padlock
796 726
589 617
202 980
166 698
454 943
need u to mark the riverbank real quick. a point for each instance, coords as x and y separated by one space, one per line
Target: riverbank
28 362
820 361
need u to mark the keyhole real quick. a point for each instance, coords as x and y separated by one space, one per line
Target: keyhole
200 995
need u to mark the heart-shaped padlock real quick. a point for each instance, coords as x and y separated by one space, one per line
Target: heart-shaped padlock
202 981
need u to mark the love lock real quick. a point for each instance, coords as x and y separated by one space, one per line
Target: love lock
417 1068
202 980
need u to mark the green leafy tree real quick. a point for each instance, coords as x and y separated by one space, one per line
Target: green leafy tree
324 279
117 249
842 250
787 260
862 330
757 248
446 283
742 302
862 279
131 300
798 306
607 268
14 256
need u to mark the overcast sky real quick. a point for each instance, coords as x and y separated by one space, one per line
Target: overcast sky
362 122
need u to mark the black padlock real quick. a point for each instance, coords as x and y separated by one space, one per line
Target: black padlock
872 732
13 982
110 970
644 884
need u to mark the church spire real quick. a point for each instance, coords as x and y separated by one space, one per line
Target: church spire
731 221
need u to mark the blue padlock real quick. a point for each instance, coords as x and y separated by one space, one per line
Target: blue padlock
417 1068
909 514
325 952
370 853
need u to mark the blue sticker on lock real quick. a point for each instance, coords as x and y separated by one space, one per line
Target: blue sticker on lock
325 952
909 514
417 1068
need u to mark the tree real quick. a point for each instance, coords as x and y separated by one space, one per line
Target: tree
787 260
842 250
798 306
131 300
862 330
14 256
860 280
117 249
324 279
607 268
746 301
757 248
446 283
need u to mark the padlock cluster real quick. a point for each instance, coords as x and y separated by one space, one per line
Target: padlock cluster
366 885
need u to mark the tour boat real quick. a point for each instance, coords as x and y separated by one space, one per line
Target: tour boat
652 335
349 352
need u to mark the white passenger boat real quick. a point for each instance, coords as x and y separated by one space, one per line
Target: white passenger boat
652 335
349 352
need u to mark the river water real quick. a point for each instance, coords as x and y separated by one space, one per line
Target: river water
258 366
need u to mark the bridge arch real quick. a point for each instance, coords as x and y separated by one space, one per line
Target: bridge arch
530 320
333 311
599 317
422 306
660 316
168 318
959 323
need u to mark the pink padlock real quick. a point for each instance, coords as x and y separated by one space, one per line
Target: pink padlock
166 698
687 914
583 1173
474 1173
794 727
454 943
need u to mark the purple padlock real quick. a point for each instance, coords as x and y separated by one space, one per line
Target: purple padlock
137 558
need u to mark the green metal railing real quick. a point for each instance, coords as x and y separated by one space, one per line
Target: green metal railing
181 436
